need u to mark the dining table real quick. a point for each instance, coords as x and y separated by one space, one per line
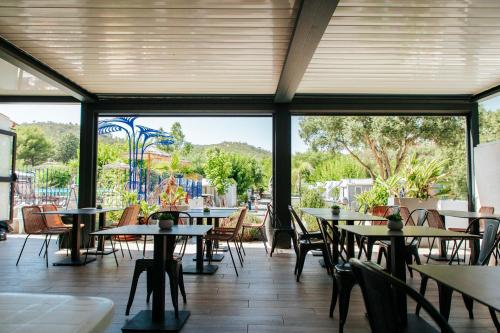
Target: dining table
157 319
397 253
471 216
76 242
212 218
326 214
479 283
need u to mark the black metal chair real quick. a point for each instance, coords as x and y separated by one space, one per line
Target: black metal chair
488 245
366 244
279 229
306 241
411 248
379 289
173 268
343 278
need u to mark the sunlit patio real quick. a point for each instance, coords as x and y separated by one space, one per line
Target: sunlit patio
394 94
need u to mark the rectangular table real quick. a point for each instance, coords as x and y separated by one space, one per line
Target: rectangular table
213 218
397 238
157 319
345 215
478 282
75 258
475 230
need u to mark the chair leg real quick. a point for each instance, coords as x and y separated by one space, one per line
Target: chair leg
144 248
494 318
335 293
121 247
137 273
232 258
423 286
302 259
240 256
113 249
273 244
181 284
241 240
128 248
22 249
137 244
43 245
173 273
344 290
263 235
469 304
47 253
430 250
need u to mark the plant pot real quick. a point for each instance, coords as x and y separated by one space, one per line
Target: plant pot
395 225
165 224
335 211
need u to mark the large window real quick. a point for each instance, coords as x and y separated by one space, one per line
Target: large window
489 120
362 161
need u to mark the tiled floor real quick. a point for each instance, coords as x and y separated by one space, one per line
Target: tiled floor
264 298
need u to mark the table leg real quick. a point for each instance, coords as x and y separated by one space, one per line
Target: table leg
200 267
75 259
101 240
350 242
475 247
157 319
444 300
398 270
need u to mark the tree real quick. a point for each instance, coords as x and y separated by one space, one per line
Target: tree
489 125
33 147
67 148
180 144
218 170
386 139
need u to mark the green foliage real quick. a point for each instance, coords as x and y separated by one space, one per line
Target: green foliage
245 172
147 209
312 198
166 216
218 170
420 176
129 198
337 168
387 139
109 153
33 147
377 196
67 148
489 125
55 177
395 217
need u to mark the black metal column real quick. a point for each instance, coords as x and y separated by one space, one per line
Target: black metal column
88 164
282 167
472 140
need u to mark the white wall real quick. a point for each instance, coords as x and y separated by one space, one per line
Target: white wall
487 172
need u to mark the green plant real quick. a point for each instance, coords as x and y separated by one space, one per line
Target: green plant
422 175
58 177
129 198
147 209
394 217
335 207
165 216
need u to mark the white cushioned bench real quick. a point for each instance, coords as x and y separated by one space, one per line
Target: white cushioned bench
46 313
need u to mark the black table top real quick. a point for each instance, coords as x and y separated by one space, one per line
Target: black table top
345 215
408 231
176 230
478 282
466 215
79 211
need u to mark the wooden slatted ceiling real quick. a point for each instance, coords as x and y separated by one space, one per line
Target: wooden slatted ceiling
155 46
418 46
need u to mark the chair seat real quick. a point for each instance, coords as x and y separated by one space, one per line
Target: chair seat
418 325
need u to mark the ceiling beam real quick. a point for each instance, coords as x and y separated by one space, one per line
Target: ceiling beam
380 104
490 93
310 25
17 57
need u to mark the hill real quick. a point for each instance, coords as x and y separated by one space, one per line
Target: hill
242 148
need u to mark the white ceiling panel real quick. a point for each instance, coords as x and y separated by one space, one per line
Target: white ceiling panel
155 46
427 46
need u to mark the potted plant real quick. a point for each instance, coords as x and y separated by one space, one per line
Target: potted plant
395 222
146 210
165 221
206 210
174 198
335 209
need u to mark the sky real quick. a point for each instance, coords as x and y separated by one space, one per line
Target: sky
252 130
207 130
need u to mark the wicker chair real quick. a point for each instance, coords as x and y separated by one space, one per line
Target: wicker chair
260 227
232 236
129 217
35 224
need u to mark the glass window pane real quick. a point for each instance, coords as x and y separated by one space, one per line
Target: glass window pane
4 201
6 153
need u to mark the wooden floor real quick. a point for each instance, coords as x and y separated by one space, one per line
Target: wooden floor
264 298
